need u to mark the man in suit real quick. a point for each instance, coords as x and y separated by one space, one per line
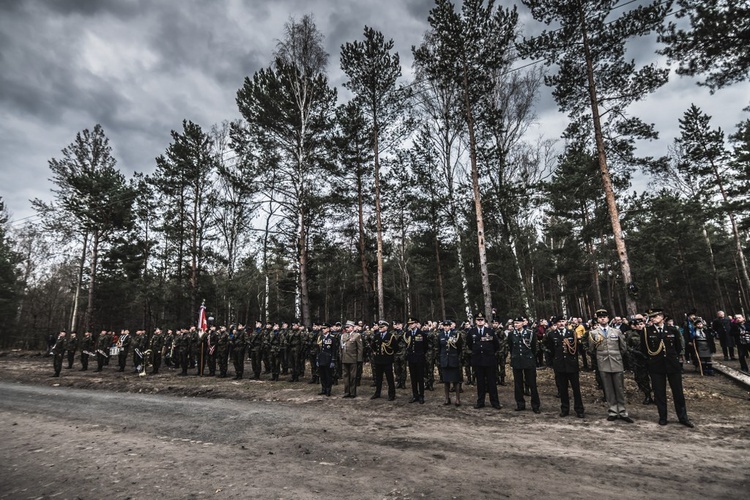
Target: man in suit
662 345
383 348
522 344
563 346
417 344
609 345
352 353
484 344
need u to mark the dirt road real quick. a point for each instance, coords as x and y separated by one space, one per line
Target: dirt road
252 439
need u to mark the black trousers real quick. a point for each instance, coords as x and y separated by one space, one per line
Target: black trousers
84 361
122 358
659 384
57 363
156 362
742 352
525 377
238 360
71 358
326 378
486 383
416 374
100 361
387 370
563 380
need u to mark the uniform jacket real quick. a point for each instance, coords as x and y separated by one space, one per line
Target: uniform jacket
417 345
327 344
662 349
484 345
523 346
450 345
610 347
564 358
383 347
352 350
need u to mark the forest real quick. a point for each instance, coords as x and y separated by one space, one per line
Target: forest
424 198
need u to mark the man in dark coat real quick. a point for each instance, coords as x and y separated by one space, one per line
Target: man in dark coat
484 344
662 345
562 344
417 345
383 348
722 327
523 347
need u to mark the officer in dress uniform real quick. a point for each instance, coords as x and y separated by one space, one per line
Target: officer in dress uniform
212 337
662 345
484 344
609 345
563 347
87 345
103 343
326 359
523 347
157 347
58 352
450 346
417 344
637 358
383 348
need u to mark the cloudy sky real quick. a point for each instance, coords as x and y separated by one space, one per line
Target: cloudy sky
139 67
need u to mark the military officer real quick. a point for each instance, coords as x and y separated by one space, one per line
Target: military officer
637 359
123 342
662 345
58 353
351 355
383 349
274 344
523 347
399 358
156 345
326 359
103 343
294 347
254 340
609 345
484 344
562 344
237 342
71 346
417 345
450 346
222 352
211 338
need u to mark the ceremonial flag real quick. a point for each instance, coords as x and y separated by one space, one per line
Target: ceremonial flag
202 322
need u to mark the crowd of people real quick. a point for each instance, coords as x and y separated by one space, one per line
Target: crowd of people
472 353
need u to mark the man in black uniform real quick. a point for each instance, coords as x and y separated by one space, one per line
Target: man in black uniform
103 344
58 352
326 359
212 337
563 346
237 344
383 348
523 347
124 344
662 345
71 346
156 345
417 345
484 345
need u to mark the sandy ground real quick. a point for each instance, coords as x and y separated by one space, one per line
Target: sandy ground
113 435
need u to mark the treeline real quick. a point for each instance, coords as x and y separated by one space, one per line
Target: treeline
427 198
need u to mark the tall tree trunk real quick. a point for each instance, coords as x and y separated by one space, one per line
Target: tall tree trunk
381 293
304 293
714 271
266 298
519 274
92 281
486 292
362 256
441 290
462 272
609 192
77 294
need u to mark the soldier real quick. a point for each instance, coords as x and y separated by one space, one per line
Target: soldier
222 352
337 369
637 359
326 359
139 345
168 351
294 347
156 345
523 346
484 344
383 349
312 352
284 351
274 345
266 352
609 345
212 336
182 347
502 354
466 359
58 353
87 345
450 347
662 345
741 334
71 346
399 358
103 344
416 354
195 343
237 344
431 330
351 355
123 342
254 340
563 347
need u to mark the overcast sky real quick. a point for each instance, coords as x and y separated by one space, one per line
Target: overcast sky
140 67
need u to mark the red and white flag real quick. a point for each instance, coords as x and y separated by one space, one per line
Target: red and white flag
202 322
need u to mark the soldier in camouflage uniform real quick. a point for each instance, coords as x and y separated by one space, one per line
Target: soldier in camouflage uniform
211 338
182 349
87 345
254 340
222 352
312 352
502 353
58 353
103 343
124 344
139 345
466 356
284 353
294 345
430 330
71 346
399 359
637 358
266 352
168 351
157 347
274 344
238 342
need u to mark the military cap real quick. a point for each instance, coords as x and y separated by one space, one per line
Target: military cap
412 320
383 323
600 313
556 319
655 311
692 311
446 322
479 316
338 323
520 319
350 323
326 325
